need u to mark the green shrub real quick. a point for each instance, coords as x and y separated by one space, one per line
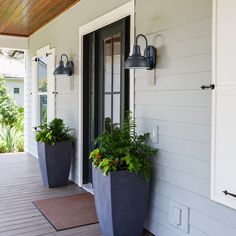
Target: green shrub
20 144
3 148
9 136
53 132
12 122
123 149
8 108
19 124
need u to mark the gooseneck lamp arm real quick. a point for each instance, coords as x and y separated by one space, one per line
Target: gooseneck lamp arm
67 59
139 36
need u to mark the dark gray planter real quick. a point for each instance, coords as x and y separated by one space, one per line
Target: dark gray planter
55 163
121 200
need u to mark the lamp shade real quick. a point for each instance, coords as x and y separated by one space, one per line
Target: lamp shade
136 60
61 69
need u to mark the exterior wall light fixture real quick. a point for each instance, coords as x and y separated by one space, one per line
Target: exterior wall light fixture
138 61
64 70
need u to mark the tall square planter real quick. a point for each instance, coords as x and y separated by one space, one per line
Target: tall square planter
55 163
121 200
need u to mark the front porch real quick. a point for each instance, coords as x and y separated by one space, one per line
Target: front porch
20 186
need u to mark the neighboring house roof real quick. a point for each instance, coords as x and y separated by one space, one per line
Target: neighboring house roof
11 67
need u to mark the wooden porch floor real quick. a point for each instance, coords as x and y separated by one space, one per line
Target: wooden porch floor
20 184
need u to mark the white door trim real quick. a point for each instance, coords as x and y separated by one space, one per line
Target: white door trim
106 19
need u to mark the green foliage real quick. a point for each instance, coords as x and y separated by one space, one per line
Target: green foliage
8 108
12 138
123 149
53 132
3 147
19 124
20 144
12 122
9 138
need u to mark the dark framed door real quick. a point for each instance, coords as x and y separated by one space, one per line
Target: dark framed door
105 84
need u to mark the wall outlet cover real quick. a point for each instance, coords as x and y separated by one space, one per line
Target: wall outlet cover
179 216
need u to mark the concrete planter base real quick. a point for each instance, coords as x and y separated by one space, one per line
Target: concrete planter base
55 163
121 200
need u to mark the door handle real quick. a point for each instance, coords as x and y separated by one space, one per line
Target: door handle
211 86
230 194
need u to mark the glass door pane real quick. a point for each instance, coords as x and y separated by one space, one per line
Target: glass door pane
43 109
42 74
116 62
108 64
112 78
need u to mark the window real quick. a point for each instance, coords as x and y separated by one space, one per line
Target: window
16 90
43 86
42 89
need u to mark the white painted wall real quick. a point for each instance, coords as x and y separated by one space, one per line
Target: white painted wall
181 30
12 83
13 42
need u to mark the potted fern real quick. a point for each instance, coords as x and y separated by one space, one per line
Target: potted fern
121 177
54 143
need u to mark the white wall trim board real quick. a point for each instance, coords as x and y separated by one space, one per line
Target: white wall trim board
43 50
214 33
106 19
14 42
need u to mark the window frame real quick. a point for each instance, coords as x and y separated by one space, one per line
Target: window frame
50 93
14 90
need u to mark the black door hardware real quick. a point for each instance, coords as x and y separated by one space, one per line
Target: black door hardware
227 193
211 86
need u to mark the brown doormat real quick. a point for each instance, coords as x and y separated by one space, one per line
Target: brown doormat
70 211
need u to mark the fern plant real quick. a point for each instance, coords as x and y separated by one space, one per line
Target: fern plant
53 132
123 149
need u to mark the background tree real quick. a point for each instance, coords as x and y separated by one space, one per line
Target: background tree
8 108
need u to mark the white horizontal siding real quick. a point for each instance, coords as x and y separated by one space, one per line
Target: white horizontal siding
179 82
186 98
191 115
191 132
183 164
181 31
162 15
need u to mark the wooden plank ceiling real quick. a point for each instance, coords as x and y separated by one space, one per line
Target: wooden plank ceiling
24 17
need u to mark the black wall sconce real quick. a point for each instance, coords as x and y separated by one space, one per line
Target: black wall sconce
138 61
64 70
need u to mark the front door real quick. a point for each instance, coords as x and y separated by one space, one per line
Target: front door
105 84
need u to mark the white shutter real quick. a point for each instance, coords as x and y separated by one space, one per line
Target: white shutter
34 90
51 62
224 103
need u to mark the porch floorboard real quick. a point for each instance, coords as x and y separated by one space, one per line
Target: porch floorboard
20 185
